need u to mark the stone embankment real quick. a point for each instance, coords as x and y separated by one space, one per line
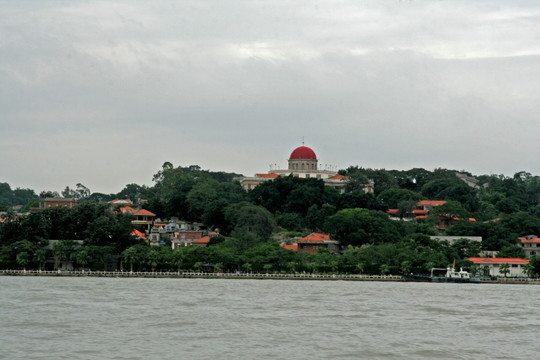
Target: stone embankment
238 276
197 275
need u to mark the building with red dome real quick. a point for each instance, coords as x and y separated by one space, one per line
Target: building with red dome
303 163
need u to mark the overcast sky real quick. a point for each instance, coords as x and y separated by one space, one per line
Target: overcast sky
103 93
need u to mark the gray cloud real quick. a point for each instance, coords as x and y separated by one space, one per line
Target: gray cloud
104 92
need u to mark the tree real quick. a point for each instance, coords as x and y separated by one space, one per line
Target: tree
23 259
40 256
153 258
82 257
201 195
511 251
130 255
535 263
179 257
63 250
528 269
385 269
252 224
504 269
393 196
361 226
451 188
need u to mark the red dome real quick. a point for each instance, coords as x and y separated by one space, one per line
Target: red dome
303 152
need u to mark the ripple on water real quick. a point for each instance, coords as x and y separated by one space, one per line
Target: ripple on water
92 318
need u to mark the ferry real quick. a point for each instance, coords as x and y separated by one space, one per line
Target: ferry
451 276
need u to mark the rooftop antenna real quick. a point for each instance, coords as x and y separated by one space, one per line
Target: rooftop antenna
302 141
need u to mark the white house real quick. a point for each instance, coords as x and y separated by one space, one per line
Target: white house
491 266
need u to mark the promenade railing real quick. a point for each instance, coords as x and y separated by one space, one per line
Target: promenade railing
238 275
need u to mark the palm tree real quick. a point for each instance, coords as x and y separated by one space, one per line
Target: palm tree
178 258
152 258
82 257
528 269
40 256
23 259
130 255
504 269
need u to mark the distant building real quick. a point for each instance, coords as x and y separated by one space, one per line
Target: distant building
452 239
142 216
303 163
422 210
312 243
530 245
491 266
53 202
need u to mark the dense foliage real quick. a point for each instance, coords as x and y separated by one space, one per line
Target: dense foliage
504 209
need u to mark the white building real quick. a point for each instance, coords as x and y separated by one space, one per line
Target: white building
303 163
492 266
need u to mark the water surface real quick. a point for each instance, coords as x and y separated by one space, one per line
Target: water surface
119 318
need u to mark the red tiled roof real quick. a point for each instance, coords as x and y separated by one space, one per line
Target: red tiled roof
293 247
524 240
392 211
122 201
267 176
139 234
144 213
338 177
420 217
316 237
472 219
478 260
431 202
127 209
420 212
203 240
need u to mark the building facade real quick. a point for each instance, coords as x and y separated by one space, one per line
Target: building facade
530 245
302 163
492 266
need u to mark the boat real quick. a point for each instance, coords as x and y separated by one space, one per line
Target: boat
451 276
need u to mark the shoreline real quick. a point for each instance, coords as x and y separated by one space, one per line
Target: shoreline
233 276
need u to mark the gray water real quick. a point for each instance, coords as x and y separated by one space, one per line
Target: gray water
97 318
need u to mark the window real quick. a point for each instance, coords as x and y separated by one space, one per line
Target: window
307 176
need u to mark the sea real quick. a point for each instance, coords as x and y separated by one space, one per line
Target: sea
132 318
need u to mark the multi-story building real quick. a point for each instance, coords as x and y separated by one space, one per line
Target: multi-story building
530 245
303 163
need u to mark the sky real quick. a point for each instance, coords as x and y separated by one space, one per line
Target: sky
104 92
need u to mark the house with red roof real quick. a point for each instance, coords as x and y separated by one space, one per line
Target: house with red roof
491 266
45 203
142 216
530 245
315 241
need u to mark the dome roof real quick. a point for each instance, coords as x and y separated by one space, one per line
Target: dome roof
303 152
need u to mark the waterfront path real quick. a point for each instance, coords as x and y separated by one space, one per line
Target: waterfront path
238 276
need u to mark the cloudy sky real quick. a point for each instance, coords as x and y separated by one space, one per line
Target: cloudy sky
104 92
